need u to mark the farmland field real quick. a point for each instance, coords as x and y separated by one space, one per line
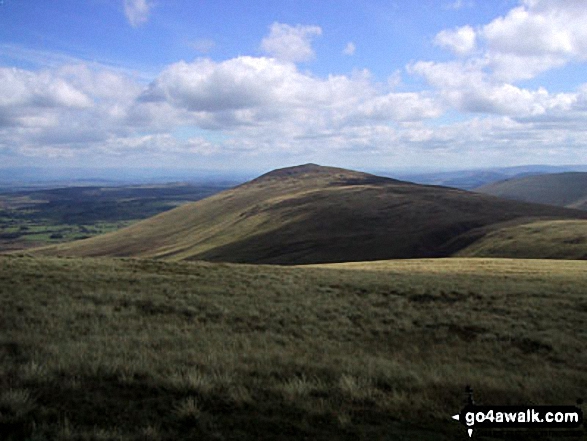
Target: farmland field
36 217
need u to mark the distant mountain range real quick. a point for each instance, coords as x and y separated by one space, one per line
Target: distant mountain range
14 178
38 177
314 214
561 189
471 179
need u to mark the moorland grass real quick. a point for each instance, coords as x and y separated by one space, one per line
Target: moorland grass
140 349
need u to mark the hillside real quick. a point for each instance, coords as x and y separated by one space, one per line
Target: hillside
475 178
314 214
558 239
561 189
136 349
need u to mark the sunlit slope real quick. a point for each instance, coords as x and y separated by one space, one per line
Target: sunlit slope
313 214
562 189
559 239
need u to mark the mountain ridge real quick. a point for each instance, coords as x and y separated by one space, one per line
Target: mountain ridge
315 214
567 189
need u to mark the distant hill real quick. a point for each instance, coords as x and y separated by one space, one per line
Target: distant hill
471 179
558 239
315 214
561 189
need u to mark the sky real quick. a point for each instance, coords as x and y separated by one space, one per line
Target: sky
261 84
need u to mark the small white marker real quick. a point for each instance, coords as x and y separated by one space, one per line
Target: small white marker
458 418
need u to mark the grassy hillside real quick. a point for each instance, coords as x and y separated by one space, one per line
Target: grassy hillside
313 214
560 239
561 189
110 349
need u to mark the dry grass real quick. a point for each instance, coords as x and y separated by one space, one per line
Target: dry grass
139 349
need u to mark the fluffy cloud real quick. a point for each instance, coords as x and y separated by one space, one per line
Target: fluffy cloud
21 88
249 91
534 37
290 43
30 99
137 11
400 107
259 107
461 40
204 85
553 27
467 88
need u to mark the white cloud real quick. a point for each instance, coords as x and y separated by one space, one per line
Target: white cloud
534 37
467 88
137 11
261 107
539 27
349 49
461 41
400 107
290 43
256 92
204 85
22 88
34 99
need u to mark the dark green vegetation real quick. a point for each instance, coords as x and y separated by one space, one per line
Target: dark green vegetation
313 214
35 217
109 349
562 189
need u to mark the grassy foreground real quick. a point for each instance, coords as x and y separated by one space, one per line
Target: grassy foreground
97 349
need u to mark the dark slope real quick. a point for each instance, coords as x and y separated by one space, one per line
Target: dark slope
561 189
313 214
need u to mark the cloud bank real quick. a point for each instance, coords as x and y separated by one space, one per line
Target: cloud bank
251 108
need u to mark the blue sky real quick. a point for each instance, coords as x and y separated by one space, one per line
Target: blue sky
438 84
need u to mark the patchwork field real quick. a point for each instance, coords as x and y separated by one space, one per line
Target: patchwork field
124 349
36 217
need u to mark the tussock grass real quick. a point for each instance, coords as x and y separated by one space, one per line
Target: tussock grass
140 349
188 409
16 402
